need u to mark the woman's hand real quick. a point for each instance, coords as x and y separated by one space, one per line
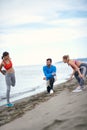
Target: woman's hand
3 72
81 76
70 78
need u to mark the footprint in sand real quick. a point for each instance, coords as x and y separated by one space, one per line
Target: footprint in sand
54 125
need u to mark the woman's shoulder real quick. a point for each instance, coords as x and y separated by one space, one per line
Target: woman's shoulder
71 62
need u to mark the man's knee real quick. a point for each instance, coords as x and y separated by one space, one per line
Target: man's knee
52 80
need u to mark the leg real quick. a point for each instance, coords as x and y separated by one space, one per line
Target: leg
48 86
13 81
52 80
83 71
8 83
77 77
80 80
8 94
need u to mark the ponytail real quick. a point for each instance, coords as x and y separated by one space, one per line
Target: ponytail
4 54
2 57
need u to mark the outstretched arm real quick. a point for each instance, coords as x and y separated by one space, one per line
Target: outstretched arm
73 73
71 77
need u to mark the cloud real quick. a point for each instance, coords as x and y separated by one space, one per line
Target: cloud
73 22
43 36
27 11
42 21
41 29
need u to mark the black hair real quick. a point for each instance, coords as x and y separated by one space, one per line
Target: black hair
5 54
49 59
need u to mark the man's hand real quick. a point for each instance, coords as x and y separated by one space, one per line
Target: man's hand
44 78
54 74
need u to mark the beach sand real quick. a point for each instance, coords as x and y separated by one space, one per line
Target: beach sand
63 110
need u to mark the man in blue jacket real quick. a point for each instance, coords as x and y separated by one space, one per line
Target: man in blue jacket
50 73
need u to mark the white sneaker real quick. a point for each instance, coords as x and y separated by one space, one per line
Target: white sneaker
78 89
51 91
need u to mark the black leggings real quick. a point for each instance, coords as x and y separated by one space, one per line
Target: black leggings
50 86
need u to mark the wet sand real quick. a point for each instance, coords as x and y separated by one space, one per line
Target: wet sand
63 110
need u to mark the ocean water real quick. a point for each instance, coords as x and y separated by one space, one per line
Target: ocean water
29 81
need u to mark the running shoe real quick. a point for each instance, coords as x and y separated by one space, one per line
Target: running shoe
78 89
51 91
9 105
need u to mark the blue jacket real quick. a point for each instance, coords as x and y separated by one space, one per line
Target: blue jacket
48 71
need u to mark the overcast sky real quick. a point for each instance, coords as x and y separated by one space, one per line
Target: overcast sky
33 30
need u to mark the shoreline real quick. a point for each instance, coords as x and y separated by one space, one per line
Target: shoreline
27 104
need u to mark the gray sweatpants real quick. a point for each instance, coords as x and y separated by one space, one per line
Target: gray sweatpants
10 81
